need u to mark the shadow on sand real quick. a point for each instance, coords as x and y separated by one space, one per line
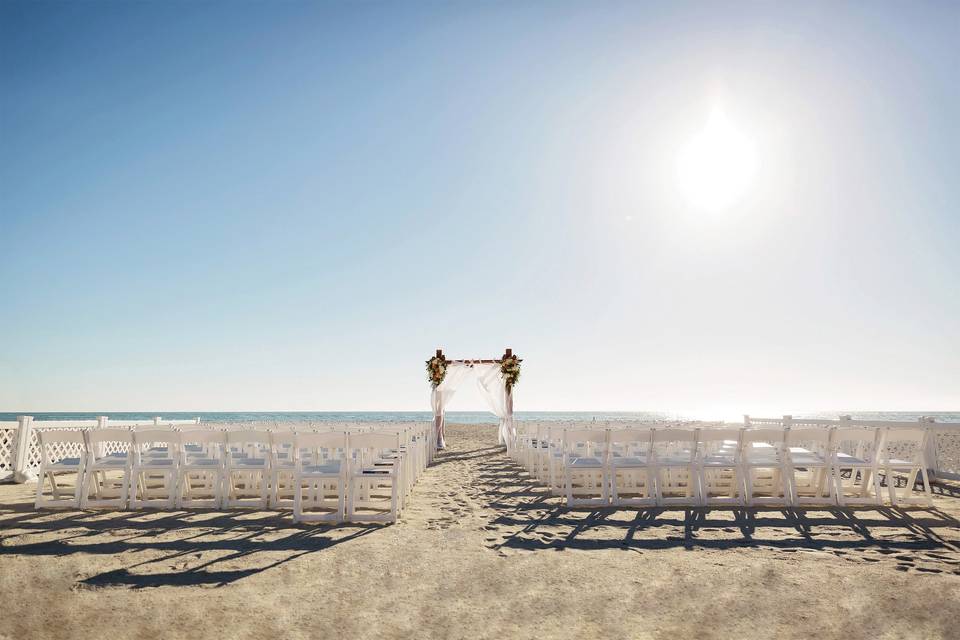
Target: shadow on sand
529 518
218 548
206 545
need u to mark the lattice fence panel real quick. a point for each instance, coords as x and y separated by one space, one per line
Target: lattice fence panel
8 443
33 454
115 447
947 447
902 450
55 450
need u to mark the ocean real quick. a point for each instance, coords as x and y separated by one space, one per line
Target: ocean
463 417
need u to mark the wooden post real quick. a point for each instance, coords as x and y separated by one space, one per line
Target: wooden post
510 429
438 412
508 353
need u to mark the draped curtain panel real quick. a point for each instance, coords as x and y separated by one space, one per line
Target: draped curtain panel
494 391
441 395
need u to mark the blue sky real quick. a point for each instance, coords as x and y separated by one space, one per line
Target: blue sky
270 206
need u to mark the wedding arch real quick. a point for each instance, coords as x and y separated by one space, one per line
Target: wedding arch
495 378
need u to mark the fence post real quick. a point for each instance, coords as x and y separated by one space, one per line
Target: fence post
787 422
102 446
21 460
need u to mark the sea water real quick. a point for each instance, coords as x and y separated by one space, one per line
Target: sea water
467 417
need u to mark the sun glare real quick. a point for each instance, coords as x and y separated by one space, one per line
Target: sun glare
715 168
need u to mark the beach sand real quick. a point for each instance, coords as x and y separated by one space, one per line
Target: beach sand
482 552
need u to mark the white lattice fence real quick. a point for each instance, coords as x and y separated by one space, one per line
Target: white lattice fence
947 451
21 461
8 442
943 446
56 451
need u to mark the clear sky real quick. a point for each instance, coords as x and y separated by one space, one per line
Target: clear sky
289 206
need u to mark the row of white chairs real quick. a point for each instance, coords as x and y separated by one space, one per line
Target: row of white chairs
361 475
709 465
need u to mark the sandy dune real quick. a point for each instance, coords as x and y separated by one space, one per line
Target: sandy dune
482 552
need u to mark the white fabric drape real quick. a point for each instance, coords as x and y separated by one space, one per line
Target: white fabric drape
441 395
490 383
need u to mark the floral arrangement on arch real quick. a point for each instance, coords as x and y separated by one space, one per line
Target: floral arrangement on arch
510 368
436 370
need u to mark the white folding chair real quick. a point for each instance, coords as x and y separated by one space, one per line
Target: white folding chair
673 458
154 472
201 478
762 464
62 453
374 477
525 443
552 458
320 476
585 480
902 454
855 453
107 473
283 461
422 441
809 466
628 467
247 469
521 441
718 467
538 454
401 453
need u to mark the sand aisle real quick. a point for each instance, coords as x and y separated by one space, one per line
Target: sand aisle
481 552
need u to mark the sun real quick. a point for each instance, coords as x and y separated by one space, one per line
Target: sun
717 166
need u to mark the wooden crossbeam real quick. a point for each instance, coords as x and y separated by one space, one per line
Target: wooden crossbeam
506 354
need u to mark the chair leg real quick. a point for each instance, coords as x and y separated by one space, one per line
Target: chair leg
693 486
393 498
125 489
876 485
748 486
838 487
55 488
927 490
351 504
220 487
891 486
297 497
657 491
264 489
790 487
819 483
90 480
